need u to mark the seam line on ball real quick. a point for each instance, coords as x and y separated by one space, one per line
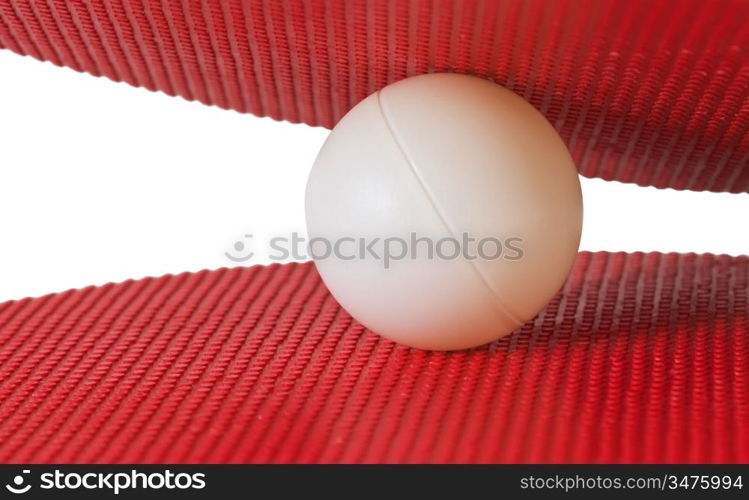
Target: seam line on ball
497 300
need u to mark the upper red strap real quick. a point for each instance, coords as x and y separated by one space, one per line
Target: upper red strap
655 93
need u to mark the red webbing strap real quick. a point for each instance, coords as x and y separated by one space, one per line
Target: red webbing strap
655 93
640 358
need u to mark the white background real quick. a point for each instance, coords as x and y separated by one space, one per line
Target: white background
103 182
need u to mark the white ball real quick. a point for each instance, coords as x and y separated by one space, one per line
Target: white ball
429 162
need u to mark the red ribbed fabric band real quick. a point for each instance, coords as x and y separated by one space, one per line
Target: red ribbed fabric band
640 358
651 92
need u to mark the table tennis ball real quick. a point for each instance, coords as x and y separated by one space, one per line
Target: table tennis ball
463 167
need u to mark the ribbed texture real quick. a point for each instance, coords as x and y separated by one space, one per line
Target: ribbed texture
640 358
651 92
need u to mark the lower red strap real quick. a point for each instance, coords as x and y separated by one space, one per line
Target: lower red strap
640 358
